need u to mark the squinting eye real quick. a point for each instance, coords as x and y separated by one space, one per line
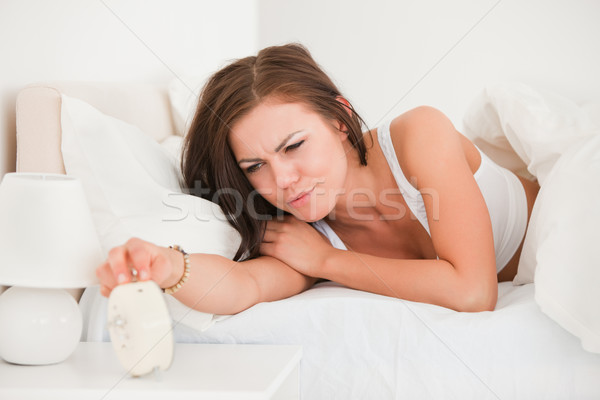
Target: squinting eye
253 168
294 146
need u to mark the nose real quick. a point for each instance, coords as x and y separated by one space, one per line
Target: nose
286 174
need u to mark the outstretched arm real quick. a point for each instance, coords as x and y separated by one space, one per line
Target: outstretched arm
216 284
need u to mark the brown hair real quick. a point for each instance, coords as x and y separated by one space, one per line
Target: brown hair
209 167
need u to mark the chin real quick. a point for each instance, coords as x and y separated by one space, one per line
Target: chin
309 216
310 219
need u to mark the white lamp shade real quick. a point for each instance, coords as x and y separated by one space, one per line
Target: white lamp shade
47 235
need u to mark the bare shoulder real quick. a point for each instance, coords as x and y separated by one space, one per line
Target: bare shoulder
420 115
423 122
419 134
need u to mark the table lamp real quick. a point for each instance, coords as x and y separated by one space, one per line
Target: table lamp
48 243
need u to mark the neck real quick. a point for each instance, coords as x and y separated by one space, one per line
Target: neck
358 202
361 201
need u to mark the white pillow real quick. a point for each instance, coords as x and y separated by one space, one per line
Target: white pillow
133 187
526 131
183 98
564 232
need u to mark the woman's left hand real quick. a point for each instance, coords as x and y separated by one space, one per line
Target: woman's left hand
297 244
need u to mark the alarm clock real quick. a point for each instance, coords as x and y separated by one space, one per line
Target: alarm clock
140 328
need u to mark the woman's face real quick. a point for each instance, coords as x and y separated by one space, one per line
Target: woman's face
292 156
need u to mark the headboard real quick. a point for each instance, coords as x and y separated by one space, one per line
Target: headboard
38 116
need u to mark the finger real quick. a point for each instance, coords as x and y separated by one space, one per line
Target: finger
275 225
106 276
290 218
150 260
119 264
105 291
269 236
266 249
140 255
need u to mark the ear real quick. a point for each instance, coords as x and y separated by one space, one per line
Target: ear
341 127
346 104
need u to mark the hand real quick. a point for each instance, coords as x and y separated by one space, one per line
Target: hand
150 261
297 244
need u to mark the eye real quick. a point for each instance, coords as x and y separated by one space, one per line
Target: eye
253 168
294 146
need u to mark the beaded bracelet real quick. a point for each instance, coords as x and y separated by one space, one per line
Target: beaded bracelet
186 271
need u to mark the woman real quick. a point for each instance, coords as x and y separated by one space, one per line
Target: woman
426 216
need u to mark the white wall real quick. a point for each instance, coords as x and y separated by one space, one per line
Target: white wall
114 40
389 56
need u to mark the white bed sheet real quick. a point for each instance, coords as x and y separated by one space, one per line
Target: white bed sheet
359 345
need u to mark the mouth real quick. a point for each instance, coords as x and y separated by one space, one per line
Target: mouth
300 199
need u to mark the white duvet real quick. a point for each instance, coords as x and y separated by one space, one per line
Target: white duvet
558 141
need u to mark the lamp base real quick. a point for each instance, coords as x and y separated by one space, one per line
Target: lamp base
38 326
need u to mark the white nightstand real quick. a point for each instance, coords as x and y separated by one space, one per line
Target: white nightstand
199 371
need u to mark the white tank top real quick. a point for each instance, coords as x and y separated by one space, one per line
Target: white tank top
503 193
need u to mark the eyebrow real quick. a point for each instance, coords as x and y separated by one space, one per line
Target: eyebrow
279 147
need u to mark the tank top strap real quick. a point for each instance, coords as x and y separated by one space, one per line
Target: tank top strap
411 195
326 230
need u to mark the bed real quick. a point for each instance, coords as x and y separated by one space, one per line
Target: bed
123 141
